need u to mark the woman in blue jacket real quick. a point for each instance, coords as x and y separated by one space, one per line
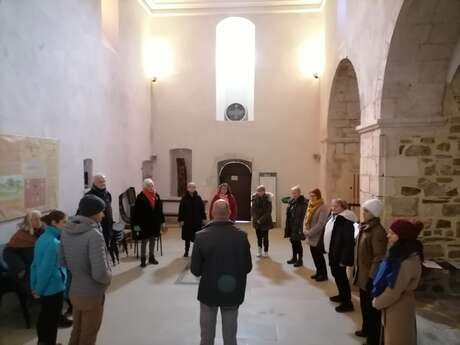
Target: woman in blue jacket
48 278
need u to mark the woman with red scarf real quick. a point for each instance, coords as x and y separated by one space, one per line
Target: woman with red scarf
224 192
148 219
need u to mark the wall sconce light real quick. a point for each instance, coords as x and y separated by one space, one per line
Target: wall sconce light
311 57
157 59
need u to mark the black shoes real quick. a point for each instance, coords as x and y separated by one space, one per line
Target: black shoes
64 322
336 299
186 254
152 260
292 261
344 308
299 263
361 334
321 278
143 264
314 276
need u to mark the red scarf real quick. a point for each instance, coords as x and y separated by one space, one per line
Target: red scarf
151 196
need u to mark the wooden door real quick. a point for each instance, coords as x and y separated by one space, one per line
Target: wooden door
238 176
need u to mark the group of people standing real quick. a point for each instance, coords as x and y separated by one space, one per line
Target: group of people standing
386 264
61 258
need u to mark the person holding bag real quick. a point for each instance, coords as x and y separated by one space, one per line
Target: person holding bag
261 210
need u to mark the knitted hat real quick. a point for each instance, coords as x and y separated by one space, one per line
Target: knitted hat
406 230
90 205
374 206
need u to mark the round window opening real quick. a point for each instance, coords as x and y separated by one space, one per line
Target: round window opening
235 112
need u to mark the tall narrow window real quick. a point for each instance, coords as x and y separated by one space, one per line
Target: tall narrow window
235 59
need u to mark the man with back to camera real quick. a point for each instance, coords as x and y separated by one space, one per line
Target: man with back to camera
222 258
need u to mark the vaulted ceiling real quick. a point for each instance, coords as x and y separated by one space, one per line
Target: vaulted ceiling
197 7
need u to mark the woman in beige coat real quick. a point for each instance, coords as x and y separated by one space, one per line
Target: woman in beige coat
394 284
315 221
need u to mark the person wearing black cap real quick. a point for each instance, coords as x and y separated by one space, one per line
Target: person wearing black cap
84 254
396 280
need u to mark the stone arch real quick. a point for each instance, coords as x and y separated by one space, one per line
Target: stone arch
343 151
418 132
421 48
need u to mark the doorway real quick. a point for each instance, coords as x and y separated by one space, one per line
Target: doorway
239 176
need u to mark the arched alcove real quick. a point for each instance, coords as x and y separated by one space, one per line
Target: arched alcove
343 149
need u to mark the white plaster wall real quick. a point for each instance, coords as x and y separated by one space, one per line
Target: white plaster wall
284 135
59 80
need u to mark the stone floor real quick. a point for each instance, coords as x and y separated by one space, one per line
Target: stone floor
157 305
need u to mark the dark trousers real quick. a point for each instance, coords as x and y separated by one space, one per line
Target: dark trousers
112 248
297 249
371 316
343 285
187 245
318 258
262 239
50 312
208 319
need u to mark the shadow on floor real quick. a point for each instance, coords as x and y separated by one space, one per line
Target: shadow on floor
273 270
171 270
121 279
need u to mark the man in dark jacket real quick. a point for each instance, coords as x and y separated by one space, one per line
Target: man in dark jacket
222 258
295 215
99 189
261 211
192 215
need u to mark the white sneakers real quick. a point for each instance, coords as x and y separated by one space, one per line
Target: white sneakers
259 253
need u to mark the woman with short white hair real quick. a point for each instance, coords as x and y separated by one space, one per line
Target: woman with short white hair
148 219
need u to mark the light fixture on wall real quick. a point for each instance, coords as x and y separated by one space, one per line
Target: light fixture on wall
157 59
311 57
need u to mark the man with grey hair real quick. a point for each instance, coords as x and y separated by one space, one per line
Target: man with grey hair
99 189
222 258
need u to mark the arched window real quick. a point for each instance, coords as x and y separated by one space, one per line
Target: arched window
235 58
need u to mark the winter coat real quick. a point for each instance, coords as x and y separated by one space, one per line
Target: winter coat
261 211
315 230
222 258
107 221
84 254
148 218
370 249
192 214
398 304
47 276
231 202
295 215
342 242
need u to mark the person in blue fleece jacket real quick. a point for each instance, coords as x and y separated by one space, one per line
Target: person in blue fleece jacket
48 279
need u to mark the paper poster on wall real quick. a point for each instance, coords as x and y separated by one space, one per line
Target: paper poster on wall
28 175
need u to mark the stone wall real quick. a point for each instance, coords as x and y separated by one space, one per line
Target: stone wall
423 178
